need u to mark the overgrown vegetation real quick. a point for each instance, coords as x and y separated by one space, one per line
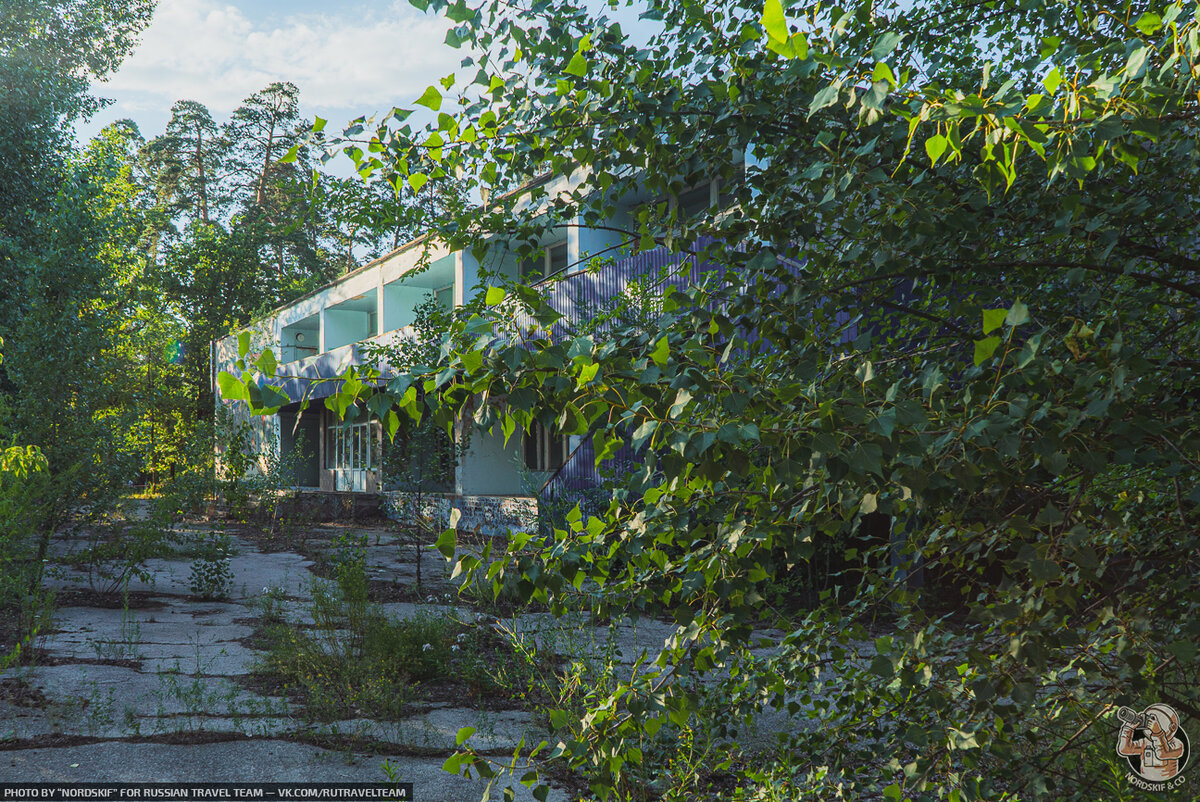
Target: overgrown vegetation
419 457
355 661
210 576
949 336
123 258
935 410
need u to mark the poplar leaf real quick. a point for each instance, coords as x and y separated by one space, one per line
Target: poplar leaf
1018 314
993 319
266 362
662 350
577 66
1052 81
773 21
826 97
231 388
935 146
432 99
985 348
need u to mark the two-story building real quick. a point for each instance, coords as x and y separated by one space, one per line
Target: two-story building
320 335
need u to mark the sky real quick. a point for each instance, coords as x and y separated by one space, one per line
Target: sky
348 58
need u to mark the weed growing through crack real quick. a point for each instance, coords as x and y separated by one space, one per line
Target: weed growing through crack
270 605
356 661
392 772
131 636
254 715
190 692
133 722
100 709
211 576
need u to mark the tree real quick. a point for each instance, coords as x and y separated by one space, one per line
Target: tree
215 281
271 204
49 52
241 230
420 456
189 161
17 464
73 345
261 131
1000 198
58 282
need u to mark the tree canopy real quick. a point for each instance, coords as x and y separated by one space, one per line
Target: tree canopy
955 338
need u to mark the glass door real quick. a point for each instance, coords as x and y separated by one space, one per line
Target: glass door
350 456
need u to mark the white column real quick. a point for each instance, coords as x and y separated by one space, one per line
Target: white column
573 231
379 301
460 279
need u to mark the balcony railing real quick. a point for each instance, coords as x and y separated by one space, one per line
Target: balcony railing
585 297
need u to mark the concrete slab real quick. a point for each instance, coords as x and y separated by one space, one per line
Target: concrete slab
573 637
201 638
252 572
402 610
186 652
493 730
115 701
437 728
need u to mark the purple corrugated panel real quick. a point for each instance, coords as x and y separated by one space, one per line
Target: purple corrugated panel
317 376
578 295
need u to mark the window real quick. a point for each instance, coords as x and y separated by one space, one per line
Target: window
556 259
543 451
350 447
532 269
695 202
445 297
553 259
421 458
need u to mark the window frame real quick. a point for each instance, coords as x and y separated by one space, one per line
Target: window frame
541 265
350 447
543 452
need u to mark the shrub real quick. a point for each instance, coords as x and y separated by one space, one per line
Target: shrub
211 576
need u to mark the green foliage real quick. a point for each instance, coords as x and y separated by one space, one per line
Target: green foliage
192 488
250 476
210 576
115 548
18 525
73 302
49 51
419 457
356 661
914 171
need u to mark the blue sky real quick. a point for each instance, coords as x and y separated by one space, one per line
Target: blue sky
348 58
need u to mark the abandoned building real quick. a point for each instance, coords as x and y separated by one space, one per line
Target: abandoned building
322 334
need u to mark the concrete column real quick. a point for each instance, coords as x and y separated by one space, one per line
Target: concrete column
379 303
573 232
460 279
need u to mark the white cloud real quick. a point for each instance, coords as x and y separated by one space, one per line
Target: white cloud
361 60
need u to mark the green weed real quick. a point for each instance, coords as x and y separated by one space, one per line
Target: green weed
211 576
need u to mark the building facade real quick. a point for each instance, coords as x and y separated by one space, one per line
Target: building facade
318 337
